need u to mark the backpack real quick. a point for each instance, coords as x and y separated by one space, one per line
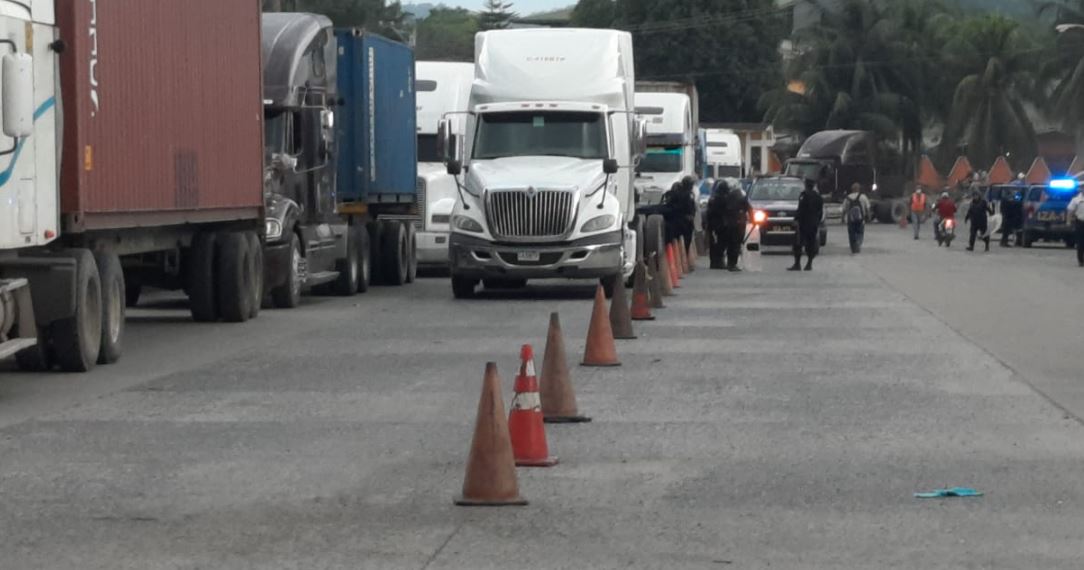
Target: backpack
856 213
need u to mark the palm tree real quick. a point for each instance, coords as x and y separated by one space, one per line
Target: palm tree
853 70
1066 69
996 67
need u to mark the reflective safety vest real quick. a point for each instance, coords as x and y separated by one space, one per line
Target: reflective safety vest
918 202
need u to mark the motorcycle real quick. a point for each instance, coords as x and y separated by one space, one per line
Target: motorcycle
946 232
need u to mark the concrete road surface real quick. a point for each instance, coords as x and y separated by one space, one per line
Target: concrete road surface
769 420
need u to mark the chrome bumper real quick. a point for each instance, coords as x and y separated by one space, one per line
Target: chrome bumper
590 258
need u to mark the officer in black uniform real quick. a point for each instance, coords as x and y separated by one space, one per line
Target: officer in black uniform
809 217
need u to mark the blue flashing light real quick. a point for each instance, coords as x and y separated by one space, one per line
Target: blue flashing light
1064 184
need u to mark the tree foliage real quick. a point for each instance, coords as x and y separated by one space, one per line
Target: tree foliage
495 15
593 14
729 48
446 35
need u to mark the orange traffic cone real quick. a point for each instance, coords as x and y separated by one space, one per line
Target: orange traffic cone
601 349
692 257
620 319
904 220
525 421
671 260
491 469
655 282
558 398
662 270
641 297
683 257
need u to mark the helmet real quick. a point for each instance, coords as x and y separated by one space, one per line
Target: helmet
944 195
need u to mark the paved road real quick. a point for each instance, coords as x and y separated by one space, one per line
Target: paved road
766 420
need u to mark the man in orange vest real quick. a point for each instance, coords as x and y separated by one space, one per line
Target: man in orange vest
918 210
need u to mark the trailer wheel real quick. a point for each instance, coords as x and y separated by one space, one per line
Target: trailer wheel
346 284
201 279
365 259
77 340
412 253
463 287
376 251
394 254
255 247
288 296
235 279
655 236
114 300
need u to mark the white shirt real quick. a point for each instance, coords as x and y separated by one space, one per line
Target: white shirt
1075 207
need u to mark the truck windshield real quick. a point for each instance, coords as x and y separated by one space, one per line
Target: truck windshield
661 160
557 133
274 132
776 190
807 170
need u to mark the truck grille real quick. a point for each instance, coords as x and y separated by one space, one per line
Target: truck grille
423 204
517 214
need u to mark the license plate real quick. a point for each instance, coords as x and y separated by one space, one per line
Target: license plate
529 256
1049 216
781 229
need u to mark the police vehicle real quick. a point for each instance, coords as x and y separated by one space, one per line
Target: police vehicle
1045 216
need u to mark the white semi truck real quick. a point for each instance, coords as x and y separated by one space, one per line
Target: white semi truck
443 88
546 168
671 144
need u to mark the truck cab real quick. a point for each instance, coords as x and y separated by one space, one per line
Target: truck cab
836 160
723 154
443 90
671 144
308 243
545 171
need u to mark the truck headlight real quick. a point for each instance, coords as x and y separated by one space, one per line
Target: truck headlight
598 224
467 224
272 229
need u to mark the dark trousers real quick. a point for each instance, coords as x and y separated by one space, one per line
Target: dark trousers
809 242
976 230
1079 227
735 239
856 231
717 237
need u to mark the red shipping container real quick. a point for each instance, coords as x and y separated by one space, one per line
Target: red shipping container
163 111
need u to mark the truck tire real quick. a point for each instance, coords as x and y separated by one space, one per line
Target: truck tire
609 284
288 296
365 259
376 251
114 300
235 279
1027 239
412 252
201 279
899 211
77 340
346 284
638 227
463 287
394 254
255 247
655 234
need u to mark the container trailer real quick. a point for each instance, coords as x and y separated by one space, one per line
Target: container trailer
131 157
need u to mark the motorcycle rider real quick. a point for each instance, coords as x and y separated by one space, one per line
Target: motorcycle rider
978 215
946 210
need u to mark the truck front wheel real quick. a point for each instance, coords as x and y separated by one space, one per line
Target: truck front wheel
349 268
463 288
288 295
395 254
114 299
77 340
255 247
365 259
412 253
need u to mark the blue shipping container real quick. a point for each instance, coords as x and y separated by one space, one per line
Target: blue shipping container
376 124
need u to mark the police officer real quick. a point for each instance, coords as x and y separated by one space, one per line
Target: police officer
717 223
1012 213
978 215
738 212
679 209
809 216
1075 213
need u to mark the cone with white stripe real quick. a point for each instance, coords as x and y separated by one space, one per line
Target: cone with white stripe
491 469
525 420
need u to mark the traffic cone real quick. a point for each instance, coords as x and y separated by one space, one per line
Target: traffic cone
620 319
558 397
683 257
601 349
692 258
641 298
491 468
655 282
525 420
671 260
904 220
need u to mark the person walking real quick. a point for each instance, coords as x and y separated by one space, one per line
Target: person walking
856 208
978 215
918 210
1076 217
717 215
738 213
809 217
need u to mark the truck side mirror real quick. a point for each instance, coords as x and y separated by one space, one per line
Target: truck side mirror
610 166
17 95
444 140
455 168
